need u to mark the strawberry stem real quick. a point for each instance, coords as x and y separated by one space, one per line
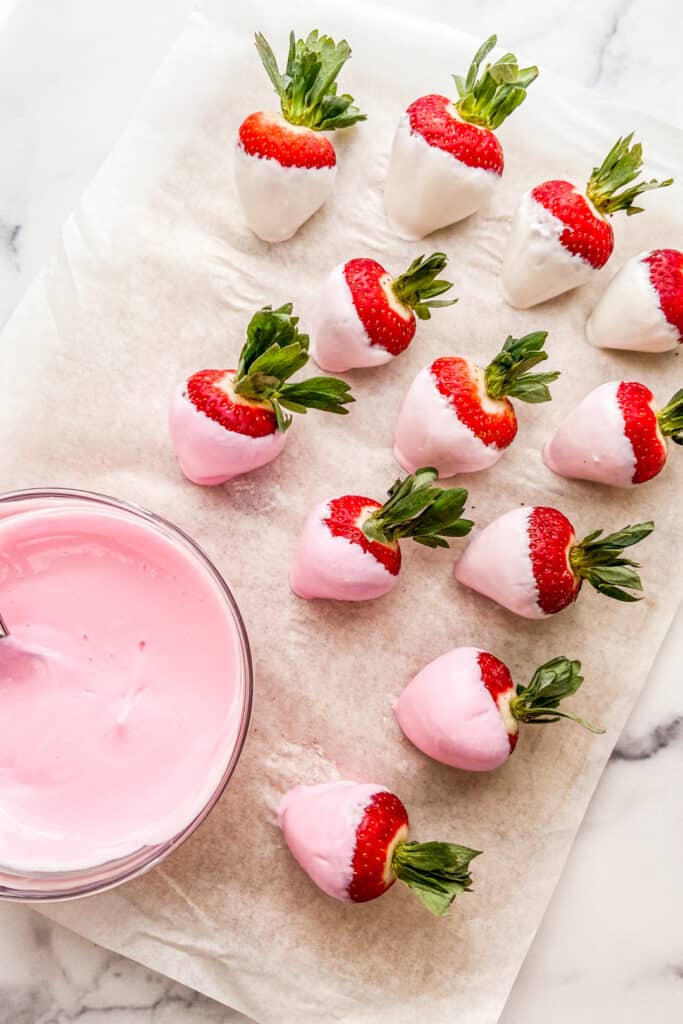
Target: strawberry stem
507 373
670 418
621 166
418 510
274 350
489 99
308 87
599 560
436 872
538 702
417 286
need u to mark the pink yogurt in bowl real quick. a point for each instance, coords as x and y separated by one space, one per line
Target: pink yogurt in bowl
125 692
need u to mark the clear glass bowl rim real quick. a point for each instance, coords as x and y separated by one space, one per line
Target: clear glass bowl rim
123 870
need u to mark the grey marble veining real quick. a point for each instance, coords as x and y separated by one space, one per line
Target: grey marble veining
610 948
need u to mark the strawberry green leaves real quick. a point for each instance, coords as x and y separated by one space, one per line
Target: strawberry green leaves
621 166
538 703
436 872
275 349
418 510
418 285
488 100
308 87
670 418
600 562
508 373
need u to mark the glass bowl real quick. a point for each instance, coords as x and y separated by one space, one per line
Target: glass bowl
45 885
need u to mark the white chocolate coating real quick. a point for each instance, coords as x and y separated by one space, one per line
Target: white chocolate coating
335 568
629 314
429 433
537 267
277 200
591 443
427 188
208 453
319 824
339 342
448 713
497 563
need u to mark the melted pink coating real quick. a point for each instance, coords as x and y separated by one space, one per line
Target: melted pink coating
208 453
121 684
332 567
591 444
319 824
497 563
448 713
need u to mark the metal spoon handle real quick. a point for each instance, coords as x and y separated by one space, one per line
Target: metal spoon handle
4 631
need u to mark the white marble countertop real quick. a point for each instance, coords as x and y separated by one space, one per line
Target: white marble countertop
610 948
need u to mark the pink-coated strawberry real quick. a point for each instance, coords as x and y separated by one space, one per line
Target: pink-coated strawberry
351 838
560 236
530 562
446 159
284 167
366 317
458 416
227 422
349 547
616 436
642 307
464 710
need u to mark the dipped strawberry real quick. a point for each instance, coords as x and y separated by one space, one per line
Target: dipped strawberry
616 436
285 166
349 548
446 159
227 422
366 317
561 237
351 839
458 416
464 710
530 562
642 308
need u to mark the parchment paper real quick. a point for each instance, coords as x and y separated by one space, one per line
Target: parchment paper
157 276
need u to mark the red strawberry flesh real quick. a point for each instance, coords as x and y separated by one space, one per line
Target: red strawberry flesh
368 282
642 430
384 822
211 392
271 137
457 382
345 515
551 537
666 275
434 118
585 234
497 679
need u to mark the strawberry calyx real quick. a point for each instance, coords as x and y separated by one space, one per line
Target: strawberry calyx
621 166
275 349
488 99
538 702
670 418
600 562
308 87
418 286
436 872
418 510
507 374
